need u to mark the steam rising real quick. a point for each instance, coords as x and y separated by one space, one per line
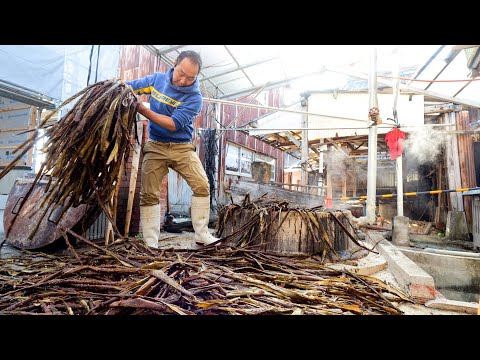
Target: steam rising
425 144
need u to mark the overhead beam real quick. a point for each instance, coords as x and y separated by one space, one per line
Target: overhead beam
236 62
237 69
443 108
25 95
293 138
271 86
170 49
461 47
339 148
453 54
404 87
427 63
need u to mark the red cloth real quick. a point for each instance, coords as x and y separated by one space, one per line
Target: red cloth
395 139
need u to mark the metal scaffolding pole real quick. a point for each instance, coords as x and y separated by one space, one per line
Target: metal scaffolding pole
399 159
373 115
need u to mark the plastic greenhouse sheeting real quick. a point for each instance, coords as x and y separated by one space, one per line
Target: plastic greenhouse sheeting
58 71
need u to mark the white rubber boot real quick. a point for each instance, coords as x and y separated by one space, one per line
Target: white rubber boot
150 220
200 218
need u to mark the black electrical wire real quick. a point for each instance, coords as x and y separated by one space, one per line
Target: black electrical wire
98 59
90 66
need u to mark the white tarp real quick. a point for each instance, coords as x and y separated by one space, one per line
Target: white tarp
57 71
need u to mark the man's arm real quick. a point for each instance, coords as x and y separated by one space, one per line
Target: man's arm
162 120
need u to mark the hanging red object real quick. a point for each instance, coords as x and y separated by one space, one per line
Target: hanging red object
395 139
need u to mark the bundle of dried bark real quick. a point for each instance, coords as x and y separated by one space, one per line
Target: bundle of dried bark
84 149
128 278
257 222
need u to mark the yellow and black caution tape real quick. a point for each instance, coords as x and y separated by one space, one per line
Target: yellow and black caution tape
415 193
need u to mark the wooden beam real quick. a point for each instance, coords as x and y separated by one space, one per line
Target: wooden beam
339 148
133 177
443 108
15 108
15 129
461 47
293 138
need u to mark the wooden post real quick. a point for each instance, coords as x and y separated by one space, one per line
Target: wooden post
133 176
354 184
438 214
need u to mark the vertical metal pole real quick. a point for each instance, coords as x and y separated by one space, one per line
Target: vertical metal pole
305 152
217 158
321 151
329 197
35 147
399 169
399 159
372 140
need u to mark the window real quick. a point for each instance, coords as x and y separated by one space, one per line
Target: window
269 160
246 162
232 159
238 161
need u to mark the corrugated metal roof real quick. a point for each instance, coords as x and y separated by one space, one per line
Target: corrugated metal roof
233 71
362 85
441 73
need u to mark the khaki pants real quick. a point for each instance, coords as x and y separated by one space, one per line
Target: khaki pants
181 157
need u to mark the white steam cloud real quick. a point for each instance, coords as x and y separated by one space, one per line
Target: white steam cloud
425 144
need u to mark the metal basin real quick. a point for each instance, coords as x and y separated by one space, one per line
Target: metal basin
23 215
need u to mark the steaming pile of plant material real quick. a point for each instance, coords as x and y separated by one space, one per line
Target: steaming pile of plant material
84 149
128 278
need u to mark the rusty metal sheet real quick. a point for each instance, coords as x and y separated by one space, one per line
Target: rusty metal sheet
30 214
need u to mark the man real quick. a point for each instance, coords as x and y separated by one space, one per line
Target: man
175 100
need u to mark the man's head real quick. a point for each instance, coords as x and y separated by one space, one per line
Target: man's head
187 67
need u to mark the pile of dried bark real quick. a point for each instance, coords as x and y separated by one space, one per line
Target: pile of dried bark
84 149
128 278
270 223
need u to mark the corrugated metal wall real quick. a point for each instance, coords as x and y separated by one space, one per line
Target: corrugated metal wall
467 161
228 117
179 194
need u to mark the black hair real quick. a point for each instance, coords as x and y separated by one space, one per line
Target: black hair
193 56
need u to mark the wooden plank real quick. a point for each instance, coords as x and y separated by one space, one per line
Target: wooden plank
429 109
13 109
255 190
133 176
14 129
